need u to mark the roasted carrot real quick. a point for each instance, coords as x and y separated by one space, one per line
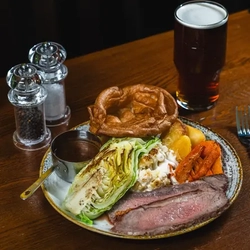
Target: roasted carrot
209 172
196 168
217 166
212 152
185 166
209 146
204 159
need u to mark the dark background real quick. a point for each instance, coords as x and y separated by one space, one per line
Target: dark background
83 26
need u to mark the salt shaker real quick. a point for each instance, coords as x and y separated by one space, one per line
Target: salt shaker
48 57
28 96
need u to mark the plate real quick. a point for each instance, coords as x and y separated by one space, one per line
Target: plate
55 189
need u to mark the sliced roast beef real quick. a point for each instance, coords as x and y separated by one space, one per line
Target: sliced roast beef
171 208
133 200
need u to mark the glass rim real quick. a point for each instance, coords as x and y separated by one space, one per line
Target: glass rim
203 26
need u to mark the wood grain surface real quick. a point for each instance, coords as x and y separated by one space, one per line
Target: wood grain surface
34 223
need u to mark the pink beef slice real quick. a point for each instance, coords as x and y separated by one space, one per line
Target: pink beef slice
182 206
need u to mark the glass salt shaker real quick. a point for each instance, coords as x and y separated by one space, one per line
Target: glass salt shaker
27 95
48 57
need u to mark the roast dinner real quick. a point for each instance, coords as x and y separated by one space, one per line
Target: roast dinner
154 174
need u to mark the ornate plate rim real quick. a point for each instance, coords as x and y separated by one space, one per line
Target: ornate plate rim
171 234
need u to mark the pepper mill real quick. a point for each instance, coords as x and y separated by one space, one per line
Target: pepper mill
48 57
27 95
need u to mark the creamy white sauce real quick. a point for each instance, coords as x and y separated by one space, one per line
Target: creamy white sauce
158 175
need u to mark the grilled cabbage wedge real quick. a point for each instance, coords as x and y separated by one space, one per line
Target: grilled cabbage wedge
107 177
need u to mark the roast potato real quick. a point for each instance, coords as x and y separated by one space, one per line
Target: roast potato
196 136
177 139
177 129
182 147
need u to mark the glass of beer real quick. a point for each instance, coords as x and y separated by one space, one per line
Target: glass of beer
200 37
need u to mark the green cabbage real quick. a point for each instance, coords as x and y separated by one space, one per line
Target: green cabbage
107 177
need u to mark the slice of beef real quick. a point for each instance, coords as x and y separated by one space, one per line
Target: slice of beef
133 200
178 207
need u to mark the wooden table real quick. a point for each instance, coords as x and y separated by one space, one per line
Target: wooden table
35 224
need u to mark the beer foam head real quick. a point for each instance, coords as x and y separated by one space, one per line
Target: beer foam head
201 15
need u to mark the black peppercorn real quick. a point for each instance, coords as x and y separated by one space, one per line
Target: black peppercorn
30 123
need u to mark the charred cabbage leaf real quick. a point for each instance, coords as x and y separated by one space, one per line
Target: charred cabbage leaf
107 177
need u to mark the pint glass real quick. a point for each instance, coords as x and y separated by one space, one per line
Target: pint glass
200 36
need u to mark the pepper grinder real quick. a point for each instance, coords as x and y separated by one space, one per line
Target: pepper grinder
48 57
27 95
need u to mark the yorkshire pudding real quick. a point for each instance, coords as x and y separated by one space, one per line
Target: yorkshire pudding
135 111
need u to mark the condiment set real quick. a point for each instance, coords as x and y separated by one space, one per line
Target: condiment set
38 95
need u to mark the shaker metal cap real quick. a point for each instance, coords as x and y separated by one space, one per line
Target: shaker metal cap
47 55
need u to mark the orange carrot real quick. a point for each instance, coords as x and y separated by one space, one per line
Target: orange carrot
212 150
217 166
185 166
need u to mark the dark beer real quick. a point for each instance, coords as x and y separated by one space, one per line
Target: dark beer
200 37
